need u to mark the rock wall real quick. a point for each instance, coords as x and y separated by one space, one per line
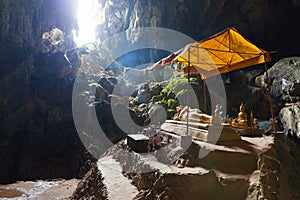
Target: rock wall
38 138
290 116
285 86
285 79
91 187
272 24
278 174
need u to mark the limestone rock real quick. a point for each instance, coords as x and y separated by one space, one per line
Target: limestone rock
91 187
251 168
290 118
285 79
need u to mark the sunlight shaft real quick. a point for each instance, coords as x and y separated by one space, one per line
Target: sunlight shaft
87 21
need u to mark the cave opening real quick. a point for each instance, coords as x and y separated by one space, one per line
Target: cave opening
87 20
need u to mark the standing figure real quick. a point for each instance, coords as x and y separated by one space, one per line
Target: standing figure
216 119
222 114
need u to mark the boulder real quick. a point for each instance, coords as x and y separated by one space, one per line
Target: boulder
290 118
284 77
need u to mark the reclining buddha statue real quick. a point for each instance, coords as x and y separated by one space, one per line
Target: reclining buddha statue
192 114
241 120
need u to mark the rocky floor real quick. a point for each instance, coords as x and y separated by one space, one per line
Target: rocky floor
39 190
250 168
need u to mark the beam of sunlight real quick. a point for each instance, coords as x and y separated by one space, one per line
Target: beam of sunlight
87 21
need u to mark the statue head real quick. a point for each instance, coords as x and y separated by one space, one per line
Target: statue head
217 110
242 107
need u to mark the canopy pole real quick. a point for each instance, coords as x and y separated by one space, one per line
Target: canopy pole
270 99
204 95
187 94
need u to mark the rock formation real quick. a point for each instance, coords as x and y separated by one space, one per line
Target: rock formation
252 168
266 23
289 116
38 138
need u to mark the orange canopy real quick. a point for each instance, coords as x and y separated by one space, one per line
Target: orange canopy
221 53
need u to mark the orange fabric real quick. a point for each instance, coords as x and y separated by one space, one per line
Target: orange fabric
224 52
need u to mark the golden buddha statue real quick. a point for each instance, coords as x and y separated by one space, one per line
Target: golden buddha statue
241 120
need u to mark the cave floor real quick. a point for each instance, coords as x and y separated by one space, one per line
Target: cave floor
39 189
233 161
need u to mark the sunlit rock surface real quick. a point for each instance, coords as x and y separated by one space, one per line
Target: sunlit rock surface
250 168
290 118
284 77
285 85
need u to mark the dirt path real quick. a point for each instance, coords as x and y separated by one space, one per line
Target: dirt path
118 186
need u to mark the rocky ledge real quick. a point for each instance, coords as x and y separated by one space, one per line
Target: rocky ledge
250 168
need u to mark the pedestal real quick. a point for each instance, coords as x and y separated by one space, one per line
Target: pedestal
218 133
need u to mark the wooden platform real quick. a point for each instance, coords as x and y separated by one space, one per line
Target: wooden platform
191 124
181 129
200 131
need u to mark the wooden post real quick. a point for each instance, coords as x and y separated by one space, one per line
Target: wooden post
187 94
270 99
204 96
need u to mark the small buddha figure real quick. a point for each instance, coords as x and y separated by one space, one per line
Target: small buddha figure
241 120
255 124
251 120
221 115
215 120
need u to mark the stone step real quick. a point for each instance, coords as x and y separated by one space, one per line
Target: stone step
118 186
